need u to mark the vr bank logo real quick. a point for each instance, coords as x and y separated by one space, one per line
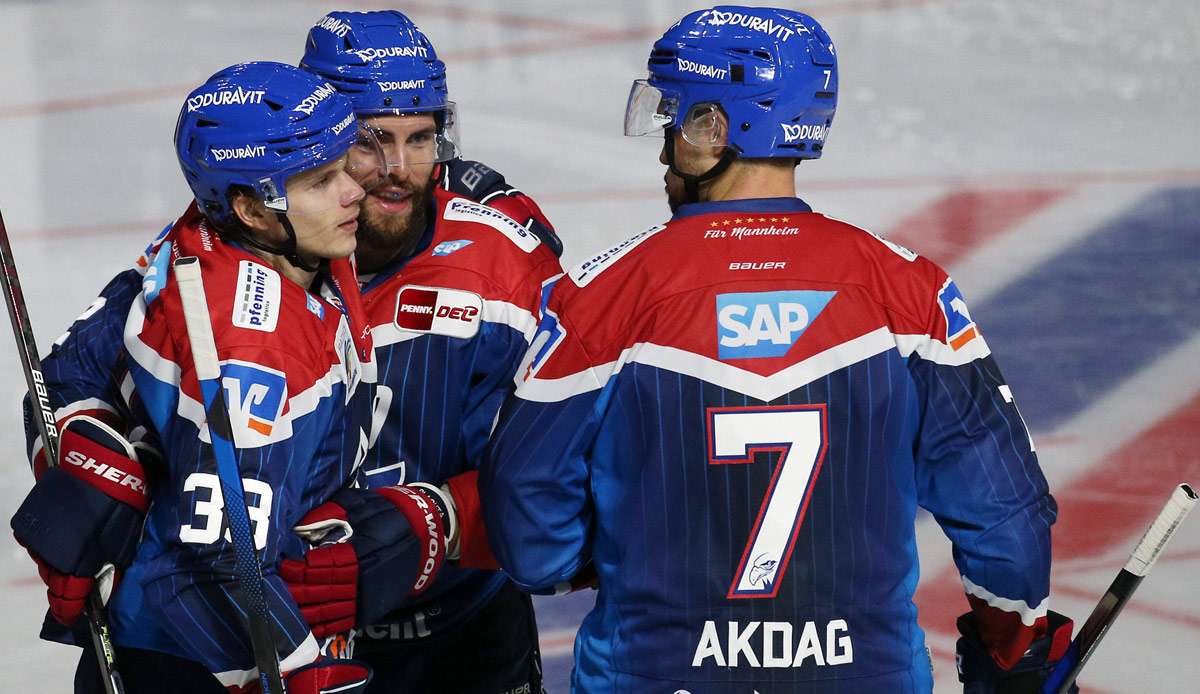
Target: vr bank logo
765 324
256 396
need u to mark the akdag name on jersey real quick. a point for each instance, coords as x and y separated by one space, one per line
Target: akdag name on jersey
774 645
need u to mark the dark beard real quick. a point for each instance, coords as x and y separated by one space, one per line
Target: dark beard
383 238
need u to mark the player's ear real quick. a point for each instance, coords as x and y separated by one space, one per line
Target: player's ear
252 212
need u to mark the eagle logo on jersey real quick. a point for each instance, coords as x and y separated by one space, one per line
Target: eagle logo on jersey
763 571
765 324
256 396
960 328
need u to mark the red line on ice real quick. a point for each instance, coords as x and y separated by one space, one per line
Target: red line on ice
963 219
1110 505
576 36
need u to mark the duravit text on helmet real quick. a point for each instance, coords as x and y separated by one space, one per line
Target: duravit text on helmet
226 97
368 54
310 102
766 26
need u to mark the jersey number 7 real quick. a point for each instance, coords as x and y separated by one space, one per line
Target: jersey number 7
799 434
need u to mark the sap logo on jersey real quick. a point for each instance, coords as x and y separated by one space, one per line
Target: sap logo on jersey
438 311
256 396
256 301
960 329
765 324
448 247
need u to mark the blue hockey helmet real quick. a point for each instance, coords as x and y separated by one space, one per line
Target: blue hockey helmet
255 125
772 71
387 67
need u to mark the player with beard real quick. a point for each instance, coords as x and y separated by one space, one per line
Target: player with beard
416 229
453 263
736 414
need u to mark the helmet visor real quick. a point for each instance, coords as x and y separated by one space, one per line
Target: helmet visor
367 163
649 109
416 139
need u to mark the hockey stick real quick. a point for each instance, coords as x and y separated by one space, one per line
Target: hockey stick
220 432
47 428
1182 501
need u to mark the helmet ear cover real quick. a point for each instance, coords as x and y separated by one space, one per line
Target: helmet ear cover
706 125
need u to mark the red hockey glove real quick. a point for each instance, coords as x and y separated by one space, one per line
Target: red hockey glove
378 548
980 673
84 517
328 677
469 547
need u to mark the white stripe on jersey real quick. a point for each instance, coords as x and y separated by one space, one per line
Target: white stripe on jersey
746 382
1028 614
168 372
941 353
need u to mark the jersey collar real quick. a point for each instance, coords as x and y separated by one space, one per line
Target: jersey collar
746 205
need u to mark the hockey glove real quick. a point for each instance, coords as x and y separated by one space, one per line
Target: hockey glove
329 676
980 674
84 517
378 547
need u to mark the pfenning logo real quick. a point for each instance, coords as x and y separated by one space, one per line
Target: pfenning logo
309 104
369 54
439 311
792 133
256 299
243 152
765 324
226 97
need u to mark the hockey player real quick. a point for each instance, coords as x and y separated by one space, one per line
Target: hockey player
736 414
274 157
452 288
483 261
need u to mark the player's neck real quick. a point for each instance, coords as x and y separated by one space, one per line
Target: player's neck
302 277
750 179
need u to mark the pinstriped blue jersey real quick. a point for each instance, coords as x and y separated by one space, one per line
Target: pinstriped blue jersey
451 322
86 368
292 363
735 417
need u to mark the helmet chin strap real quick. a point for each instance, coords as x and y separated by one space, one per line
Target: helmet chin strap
288 251
691 182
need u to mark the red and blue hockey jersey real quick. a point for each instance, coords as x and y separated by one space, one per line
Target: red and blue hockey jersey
451 323
735 417
292 363
442 385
